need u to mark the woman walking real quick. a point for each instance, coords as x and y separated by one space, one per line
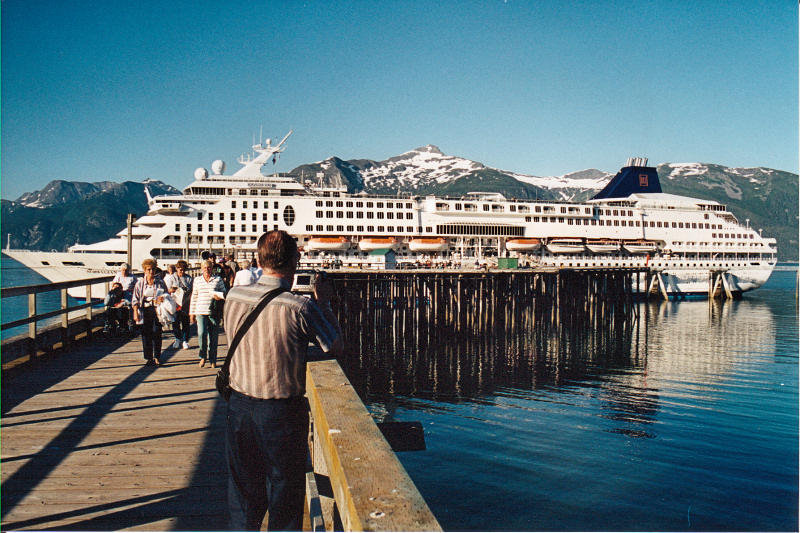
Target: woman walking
148 293
205 288
179 285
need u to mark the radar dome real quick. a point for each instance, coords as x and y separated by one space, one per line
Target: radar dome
200 174
218 167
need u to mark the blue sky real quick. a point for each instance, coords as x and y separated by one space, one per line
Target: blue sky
130 90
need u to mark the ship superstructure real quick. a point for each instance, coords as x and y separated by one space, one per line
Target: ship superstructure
629 223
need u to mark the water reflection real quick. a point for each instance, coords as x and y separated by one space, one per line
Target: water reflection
672 351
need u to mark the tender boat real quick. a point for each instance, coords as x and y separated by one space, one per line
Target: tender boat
369 244
565 246
329 244
436 244
602 246
523 245
640 246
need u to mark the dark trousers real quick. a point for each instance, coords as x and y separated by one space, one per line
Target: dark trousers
151 333
265 445
181 326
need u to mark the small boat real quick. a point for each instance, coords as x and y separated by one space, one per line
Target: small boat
328 244
565 246
435 244
523 245
640 246
377 243
602 246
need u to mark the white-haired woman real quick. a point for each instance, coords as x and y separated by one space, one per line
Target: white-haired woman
205 288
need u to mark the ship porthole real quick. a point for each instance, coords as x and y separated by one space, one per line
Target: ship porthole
288 215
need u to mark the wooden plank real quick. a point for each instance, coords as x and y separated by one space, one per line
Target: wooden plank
372 489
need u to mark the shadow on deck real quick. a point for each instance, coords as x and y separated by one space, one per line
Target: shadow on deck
94 440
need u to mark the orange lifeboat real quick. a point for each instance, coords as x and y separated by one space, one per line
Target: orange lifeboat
377 243
328 244
523 245
435 244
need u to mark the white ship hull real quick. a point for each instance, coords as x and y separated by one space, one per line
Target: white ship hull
684 239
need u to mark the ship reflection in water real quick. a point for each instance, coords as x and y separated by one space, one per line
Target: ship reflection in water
683 419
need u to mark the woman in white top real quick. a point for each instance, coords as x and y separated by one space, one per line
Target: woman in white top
205 288
245 276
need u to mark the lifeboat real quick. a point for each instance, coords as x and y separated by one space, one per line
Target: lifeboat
436 244
523 245
377 243
329 244
640 246
565 246
602 246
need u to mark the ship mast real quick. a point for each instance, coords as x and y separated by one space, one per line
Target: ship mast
252 167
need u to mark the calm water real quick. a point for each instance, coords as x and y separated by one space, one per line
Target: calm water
689 421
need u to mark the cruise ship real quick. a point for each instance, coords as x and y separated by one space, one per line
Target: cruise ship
630 222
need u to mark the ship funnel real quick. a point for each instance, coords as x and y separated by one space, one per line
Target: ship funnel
636 162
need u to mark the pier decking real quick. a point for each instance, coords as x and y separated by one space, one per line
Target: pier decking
94 440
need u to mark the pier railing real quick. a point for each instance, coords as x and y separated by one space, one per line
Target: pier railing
367 487
39 340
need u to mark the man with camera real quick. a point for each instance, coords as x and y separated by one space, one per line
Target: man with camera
267 419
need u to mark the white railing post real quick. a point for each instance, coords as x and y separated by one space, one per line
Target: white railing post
32 325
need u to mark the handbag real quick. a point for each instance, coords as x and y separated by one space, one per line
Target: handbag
216 310
223 381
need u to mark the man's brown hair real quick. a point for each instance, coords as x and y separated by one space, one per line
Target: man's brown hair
277 250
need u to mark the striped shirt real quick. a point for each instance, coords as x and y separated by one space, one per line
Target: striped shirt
270 361
201 294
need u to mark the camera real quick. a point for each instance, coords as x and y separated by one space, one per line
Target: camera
304 280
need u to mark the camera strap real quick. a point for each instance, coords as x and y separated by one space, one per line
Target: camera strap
267 298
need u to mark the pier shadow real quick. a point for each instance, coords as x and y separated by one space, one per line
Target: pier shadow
200 506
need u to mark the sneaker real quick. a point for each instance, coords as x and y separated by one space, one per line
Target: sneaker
185 345
176 344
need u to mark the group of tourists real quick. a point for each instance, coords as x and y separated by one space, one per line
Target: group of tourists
270 328
173 298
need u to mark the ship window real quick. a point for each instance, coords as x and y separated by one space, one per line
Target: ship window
370 204
485 207
319 227
255 228
72 263
512 208
339 203
329 203
409 216
319 214
328 214
349 228
233 204
359 214
409 229
370 229
244 228
244 204
339 214
359 204
45 263
177 227
339 228
359 229
309 227
381 229
253 216
379 204
380 214
274 216
538 208
275 205
264 217
233 228
349 204
694 225
288 215
319 203
222 227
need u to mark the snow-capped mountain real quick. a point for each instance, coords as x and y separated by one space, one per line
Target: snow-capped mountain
59 192
426 170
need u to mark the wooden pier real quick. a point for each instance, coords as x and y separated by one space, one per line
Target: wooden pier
94 440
